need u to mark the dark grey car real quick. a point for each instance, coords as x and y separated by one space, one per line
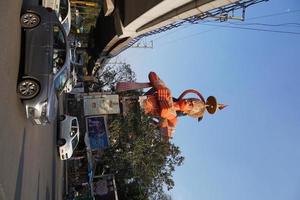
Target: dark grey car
45 63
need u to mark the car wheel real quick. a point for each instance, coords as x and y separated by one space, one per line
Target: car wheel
61 117
30 20
61 142
28 88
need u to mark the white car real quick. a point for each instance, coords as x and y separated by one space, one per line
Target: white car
65 15
69 136
63 11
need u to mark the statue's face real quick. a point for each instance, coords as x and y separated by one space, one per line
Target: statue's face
187 105
192 106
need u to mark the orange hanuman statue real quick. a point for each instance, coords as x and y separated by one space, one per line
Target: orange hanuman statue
158 102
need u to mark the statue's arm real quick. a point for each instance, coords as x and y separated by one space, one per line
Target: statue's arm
155 81
164 95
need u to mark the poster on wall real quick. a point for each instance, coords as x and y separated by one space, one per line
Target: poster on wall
97 132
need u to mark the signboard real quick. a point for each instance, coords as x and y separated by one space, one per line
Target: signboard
97 132
101 104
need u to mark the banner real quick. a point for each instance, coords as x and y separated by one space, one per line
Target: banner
97 132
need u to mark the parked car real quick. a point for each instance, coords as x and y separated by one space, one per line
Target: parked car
69 136
65 15
72 79
45 62
62 9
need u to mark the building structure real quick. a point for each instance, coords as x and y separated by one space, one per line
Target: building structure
121 23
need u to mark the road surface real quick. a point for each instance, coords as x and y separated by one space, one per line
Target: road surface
29 164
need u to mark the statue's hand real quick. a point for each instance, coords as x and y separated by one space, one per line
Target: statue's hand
164 98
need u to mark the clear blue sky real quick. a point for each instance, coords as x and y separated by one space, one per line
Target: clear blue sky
250 150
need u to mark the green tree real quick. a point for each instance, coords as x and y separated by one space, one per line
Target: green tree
111 74
142 163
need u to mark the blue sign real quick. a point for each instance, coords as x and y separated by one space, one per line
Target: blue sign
97 132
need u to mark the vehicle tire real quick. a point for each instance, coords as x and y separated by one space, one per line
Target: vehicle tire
28 88
30 20
61 142
61 118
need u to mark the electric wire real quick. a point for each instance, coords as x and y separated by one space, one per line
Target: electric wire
290 24
254 29
172 32
234 27
276 14
217 26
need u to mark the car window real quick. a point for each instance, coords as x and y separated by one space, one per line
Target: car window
74 122
73 131
63 9
61 80
59 37
59 48
74 142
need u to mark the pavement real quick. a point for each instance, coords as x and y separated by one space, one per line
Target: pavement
62 185
30 167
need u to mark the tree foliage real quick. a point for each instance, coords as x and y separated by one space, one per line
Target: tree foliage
111 74
142 163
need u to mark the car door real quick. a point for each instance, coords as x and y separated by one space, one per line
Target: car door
59 48
38 46
74 131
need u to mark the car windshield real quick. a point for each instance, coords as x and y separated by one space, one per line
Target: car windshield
73 131
63 9
74 142
61 80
